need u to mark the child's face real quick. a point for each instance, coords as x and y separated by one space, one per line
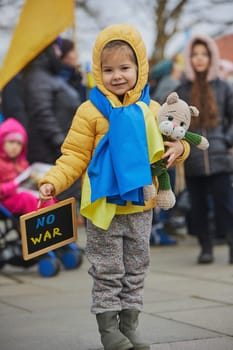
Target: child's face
119 69
200 58
12 148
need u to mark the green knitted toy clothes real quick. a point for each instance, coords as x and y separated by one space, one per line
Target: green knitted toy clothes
193 138
159 169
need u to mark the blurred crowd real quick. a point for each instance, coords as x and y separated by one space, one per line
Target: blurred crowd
37 108
44 96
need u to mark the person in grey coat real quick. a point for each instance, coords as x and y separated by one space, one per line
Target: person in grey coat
50 104
209 173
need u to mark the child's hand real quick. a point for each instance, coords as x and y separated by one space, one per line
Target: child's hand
46 192
174 150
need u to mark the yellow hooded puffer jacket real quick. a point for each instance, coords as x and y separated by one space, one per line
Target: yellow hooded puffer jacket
89 125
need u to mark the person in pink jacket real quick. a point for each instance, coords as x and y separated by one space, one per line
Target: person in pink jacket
13 161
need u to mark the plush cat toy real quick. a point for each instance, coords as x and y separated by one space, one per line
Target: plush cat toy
174 118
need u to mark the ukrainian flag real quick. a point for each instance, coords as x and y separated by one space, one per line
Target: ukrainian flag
40 22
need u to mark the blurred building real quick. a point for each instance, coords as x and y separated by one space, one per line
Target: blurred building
225 45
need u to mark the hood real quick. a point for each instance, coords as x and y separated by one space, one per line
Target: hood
214 64
129 34
12 125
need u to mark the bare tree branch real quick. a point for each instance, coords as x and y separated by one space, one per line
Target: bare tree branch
176 12
167 21
85 6
162 17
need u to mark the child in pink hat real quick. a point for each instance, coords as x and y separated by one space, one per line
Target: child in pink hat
13 147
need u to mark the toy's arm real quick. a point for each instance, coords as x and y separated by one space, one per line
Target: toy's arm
197 140
159 170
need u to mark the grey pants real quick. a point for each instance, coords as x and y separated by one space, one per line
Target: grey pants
119 259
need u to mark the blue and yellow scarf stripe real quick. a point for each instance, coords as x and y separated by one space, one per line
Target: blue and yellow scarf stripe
100 212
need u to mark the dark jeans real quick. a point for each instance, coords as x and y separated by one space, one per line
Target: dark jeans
220 188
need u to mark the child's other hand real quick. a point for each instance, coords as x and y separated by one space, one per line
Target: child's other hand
174 150
46 192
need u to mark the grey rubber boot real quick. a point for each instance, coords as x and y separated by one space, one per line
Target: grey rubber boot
111 337
128 326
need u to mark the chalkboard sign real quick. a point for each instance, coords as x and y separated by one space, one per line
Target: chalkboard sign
48 228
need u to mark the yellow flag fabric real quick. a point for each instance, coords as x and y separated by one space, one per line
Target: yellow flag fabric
101 213
40 22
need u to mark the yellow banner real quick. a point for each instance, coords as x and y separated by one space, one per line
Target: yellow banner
40 22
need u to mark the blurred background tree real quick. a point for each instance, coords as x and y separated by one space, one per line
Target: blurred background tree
172 17
165 24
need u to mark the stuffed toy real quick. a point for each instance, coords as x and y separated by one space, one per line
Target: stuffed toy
174 119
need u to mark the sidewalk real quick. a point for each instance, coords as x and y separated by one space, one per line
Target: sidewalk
187 307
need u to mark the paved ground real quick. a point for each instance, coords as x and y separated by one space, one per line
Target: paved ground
187 307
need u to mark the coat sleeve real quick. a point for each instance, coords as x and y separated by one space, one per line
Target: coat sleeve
77 151
185 154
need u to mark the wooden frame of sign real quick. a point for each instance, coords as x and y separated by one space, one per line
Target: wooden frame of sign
48 228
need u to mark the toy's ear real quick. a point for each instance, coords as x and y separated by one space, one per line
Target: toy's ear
194 111
172 98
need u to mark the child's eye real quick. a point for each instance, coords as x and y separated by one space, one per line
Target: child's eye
107 70
125 68
170 118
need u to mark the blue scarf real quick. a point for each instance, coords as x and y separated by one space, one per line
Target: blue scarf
120 166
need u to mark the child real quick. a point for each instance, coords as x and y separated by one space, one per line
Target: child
112 141
13 162
13 146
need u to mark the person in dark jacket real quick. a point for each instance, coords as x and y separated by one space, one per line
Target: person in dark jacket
50 105
69 70
12 100
208 173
